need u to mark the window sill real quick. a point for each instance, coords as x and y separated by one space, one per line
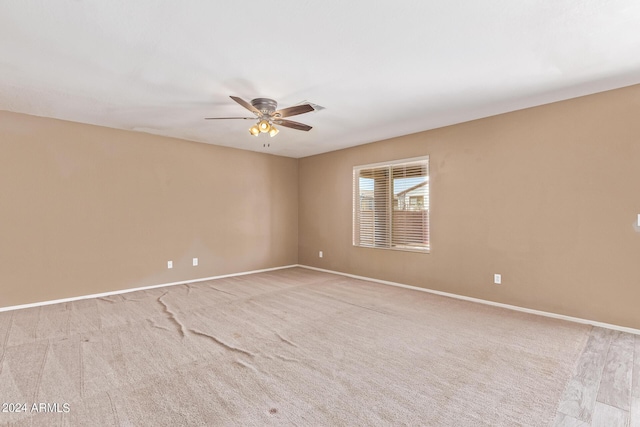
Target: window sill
397 249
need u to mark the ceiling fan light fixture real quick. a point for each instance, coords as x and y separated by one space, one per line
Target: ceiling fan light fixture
254 130
264 126
273 131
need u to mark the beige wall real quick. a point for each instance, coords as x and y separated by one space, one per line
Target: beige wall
547 196
86 209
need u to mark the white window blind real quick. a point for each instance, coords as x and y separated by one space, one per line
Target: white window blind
391 205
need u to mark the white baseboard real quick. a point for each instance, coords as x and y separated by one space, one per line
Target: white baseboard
486 302
125 291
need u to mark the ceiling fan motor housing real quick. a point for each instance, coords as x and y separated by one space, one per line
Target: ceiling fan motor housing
265 105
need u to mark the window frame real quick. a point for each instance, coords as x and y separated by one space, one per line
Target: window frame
356 202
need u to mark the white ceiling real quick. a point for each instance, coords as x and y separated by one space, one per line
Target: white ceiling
381 68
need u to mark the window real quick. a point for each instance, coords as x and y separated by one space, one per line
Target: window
391 205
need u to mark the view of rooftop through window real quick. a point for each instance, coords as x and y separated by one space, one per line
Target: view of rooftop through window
408 193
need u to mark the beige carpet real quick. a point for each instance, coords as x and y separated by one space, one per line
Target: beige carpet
289 347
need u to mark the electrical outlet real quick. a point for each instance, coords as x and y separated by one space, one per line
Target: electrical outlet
320 254
169 264
638 220
497 279
195 262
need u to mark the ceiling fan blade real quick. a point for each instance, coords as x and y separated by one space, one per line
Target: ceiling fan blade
293 125
293 111
246 105
229 118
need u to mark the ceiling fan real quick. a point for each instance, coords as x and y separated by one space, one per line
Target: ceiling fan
267 116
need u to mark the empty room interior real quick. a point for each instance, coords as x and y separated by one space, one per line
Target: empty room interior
320 213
